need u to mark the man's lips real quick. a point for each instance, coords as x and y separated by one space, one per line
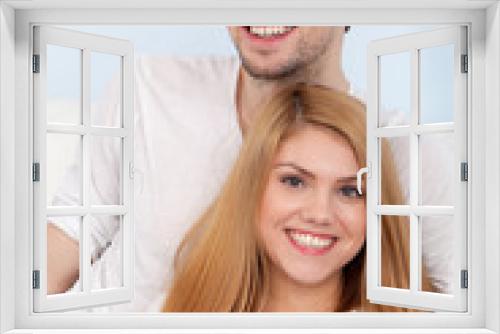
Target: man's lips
268 34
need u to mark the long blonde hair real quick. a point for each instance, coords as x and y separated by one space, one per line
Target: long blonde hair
219 266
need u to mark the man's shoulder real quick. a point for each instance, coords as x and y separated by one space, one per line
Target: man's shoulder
188 79
179 86
205 68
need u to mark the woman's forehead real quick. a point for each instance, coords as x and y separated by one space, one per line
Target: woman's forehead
318 149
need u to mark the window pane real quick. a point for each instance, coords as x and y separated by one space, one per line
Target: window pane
395 256
436 84
437 168
64 169
394 177
71 228
394 98
64 85
106 170
105 100
107 263
437 253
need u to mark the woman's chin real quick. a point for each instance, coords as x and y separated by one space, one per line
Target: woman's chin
310 278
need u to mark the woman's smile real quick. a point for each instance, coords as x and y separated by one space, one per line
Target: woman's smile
310 243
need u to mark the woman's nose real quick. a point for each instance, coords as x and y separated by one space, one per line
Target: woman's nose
319 209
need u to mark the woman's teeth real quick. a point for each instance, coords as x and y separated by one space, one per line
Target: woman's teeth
308 240
269 31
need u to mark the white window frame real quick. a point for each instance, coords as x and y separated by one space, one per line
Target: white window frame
456 299
484 122
123 50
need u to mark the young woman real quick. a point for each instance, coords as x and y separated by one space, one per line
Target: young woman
287 232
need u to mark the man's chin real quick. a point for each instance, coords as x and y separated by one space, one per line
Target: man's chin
267 74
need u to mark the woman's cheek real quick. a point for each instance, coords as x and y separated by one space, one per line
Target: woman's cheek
280 201
354 220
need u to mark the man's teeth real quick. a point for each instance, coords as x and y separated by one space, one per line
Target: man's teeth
269 31
308 240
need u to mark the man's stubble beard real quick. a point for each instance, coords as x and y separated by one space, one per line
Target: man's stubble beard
299 67
285 71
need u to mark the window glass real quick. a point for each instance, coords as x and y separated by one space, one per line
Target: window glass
394 93
64 169
108 273
105 90
395 251
73 227
436 84
106 174
436 174
64 89
437 256
394 186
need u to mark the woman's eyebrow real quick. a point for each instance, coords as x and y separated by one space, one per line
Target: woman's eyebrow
295 166
347 179
342 179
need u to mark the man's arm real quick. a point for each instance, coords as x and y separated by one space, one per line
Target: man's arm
62 260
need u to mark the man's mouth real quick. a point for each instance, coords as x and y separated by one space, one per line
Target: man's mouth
269 31
315 242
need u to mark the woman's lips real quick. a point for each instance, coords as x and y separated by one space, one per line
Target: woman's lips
311 243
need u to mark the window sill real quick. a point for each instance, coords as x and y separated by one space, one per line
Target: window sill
255 331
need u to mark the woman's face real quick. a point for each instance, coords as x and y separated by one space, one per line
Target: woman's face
312 220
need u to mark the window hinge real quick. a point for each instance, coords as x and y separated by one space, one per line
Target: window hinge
36 279
36 63
464 171
36 172
464 279
465 64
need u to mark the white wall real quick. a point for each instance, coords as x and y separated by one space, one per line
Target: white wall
492 214
6 168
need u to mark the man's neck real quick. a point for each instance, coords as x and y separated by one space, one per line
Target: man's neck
254 93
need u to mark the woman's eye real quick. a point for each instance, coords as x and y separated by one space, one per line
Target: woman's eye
292 181
350 191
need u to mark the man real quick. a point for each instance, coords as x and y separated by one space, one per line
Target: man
189 120
273 57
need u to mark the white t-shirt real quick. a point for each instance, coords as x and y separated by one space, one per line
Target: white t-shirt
186 139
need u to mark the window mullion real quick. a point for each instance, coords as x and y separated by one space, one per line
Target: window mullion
114 210
81 130
127 93
85 260
414 179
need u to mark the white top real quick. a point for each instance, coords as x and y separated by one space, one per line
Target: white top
186 139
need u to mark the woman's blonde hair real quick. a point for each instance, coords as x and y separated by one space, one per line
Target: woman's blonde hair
219 265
